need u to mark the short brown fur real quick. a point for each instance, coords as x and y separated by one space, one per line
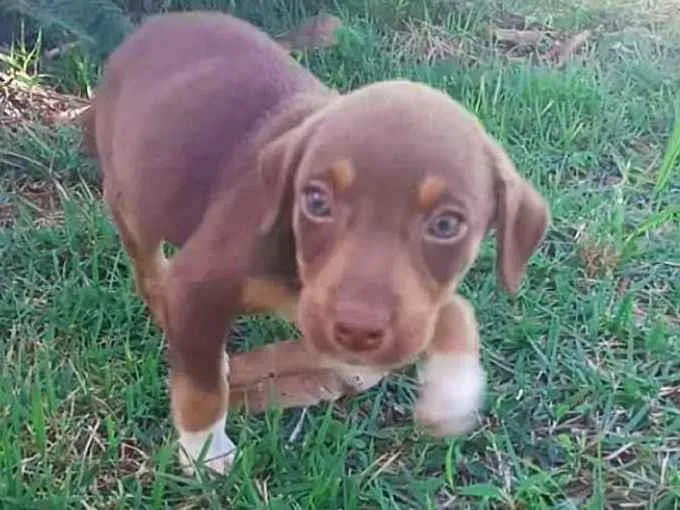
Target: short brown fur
209 137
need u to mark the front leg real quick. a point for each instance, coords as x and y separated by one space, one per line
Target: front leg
452 377
199 415
198 313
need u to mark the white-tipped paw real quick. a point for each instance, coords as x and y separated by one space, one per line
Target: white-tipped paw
219 454
451 394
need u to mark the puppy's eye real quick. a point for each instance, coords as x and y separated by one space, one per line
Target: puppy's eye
445 226
316 201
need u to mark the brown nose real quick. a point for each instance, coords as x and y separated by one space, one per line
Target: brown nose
358 329
358 339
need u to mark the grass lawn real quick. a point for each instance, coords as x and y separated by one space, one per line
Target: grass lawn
583 364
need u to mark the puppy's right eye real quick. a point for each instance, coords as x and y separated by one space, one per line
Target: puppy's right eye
445 227
317 202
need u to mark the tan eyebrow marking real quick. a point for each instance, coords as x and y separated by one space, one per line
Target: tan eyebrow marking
430 189
342 174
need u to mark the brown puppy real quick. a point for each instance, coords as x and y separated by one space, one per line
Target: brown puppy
355 215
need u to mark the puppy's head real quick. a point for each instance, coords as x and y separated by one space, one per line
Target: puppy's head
395 186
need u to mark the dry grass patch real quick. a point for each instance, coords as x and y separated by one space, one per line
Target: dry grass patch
424 42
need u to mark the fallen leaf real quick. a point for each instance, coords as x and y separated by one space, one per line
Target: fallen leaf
518 22
316 31
562 51
519 37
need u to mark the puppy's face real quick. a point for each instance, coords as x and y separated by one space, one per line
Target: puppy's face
395 186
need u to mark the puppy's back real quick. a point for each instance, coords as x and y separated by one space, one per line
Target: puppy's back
178 98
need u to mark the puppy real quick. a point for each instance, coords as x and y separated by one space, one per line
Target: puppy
355 215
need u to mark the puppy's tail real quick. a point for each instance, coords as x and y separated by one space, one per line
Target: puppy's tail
88 143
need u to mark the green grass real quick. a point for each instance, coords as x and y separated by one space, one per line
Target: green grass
584 364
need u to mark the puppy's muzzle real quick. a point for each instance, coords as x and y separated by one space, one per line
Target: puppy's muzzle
360 328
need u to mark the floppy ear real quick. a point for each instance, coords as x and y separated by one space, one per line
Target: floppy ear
281 156
522 218
278 161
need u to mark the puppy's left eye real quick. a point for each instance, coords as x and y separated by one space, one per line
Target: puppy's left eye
445 226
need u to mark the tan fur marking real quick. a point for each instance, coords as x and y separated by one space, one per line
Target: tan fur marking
315 294
193 408
149 281
422 297
430 189
342 174
260 295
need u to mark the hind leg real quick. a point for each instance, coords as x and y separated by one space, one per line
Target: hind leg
288 374
149 263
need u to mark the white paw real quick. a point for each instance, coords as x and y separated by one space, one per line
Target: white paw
219 454
452 391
